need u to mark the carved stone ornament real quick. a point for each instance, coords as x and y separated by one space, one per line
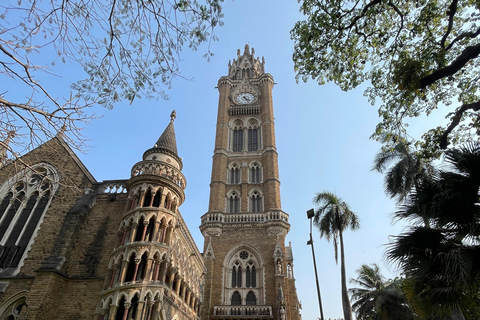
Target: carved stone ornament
276 231
245 93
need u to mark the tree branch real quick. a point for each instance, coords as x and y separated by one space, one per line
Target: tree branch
452 10
470 52
456 120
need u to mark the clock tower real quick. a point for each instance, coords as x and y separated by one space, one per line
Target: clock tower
249 269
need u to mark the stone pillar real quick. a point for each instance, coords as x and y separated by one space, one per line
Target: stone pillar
125 313
141 198
145 225
156 269
149 269
114 273
133 231
162 201
125 231
113 312
123 270
137 263
140 310
155 231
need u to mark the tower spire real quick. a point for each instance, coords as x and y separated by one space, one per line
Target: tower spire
167 143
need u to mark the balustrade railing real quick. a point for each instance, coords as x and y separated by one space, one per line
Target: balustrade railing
160 169
113 187
253 311
244 217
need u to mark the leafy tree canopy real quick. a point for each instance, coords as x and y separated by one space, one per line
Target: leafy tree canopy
418 56
127 49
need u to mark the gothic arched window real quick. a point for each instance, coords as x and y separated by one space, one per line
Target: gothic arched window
234 174
255 173
233 205
243 274
236 299
24 199
256 202
237 140
250 275
251 299
253 139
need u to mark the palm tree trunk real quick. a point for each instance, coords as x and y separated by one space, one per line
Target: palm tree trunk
347 309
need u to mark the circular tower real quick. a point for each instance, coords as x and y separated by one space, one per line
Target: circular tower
155 268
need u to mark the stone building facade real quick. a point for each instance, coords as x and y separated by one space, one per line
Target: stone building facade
75 248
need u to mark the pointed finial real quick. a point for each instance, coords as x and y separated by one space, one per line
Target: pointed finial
253 51
173 115
247 49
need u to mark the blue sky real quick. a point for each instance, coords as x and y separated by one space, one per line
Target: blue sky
322 139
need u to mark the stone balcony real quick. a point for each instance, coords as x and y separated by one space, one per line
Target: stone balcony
235 218
242 312
160 169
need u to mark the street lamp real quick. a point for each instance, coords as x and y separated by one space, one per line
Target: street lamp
310 214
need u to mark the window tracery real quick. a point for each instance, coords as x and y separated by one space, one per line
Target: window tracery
255 173
256 203
23 203
233 203
234 174
242 277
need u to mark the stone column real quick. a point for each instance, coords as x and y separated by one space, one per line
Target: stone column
123 270
137 263
133 231
113 312
125 313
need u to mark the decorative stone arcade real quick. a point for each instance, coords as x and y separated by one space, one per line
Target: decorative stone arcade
155 268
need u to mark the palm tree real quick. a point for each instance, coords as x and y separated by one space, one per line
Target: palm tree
441 259
404 169
377 298
332 217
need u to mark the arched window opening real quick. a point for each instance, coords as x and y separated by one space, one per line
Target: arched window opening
251 299
250 276
121 309
142 268
256 202
255 173
130 269
140 227
236 299
237 140
132 311
234 174
150 228
15 311
23 202
233 203
239 276
234 277
147 199
253 139
157 198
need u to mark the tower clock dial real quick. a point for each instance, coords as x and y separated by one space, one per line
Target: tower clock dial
245 98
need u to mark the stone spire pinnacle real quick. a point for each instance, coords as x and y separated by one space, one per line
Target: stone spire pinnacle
167 143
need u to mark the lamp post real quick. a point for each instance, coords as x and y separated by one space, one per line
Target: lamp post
310 214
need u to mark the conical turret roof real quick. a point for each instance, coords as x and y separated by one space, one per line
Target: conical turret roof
167 142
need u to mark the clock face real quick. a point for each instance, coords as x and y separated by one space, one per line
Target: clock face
245 97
